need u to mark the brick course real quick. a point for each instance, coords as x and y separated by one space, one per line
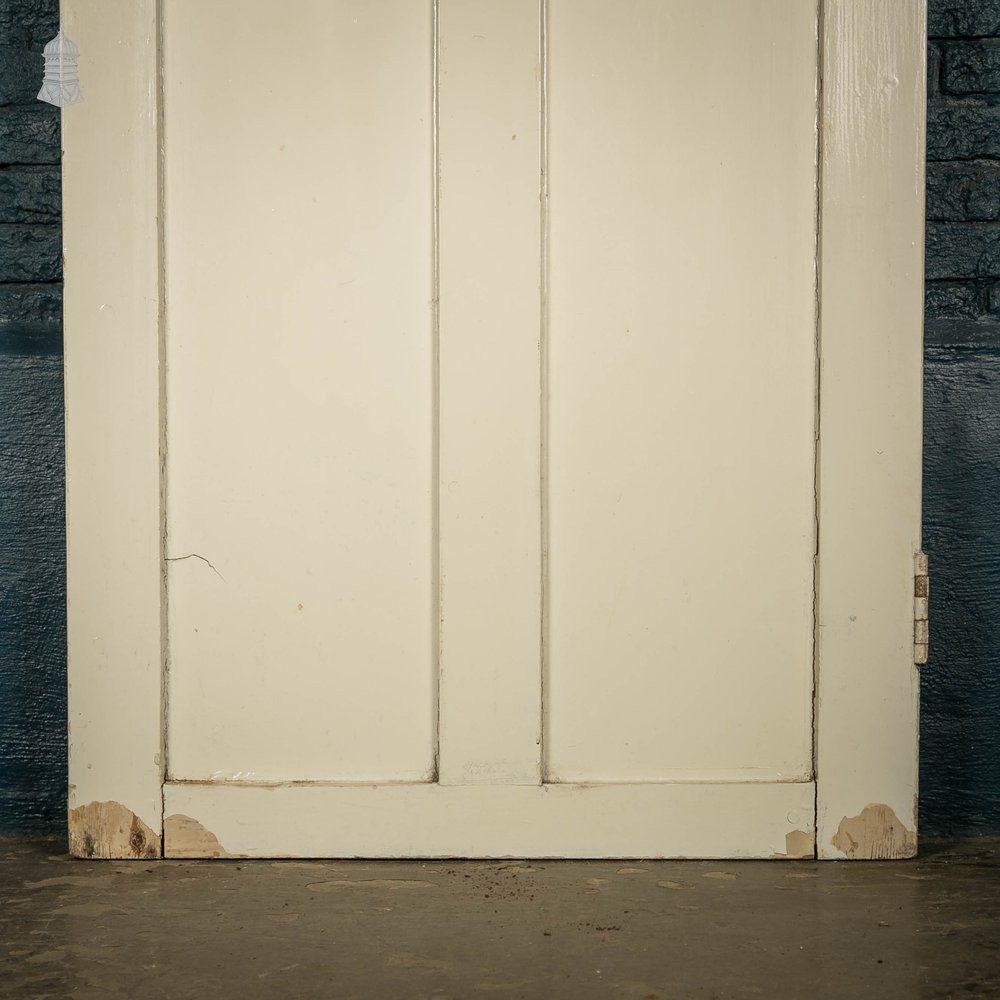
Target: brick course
30 202
963 173
963 18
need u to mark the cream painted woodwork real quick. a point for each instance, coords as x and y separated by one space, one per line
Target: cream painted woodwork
682 396
489 424
299 391
493 428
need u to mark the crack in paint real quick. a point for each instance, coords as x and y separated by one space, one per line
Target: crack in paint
194 555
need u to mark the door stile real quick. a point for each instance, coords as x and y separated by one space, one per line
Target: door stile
113 345
868 689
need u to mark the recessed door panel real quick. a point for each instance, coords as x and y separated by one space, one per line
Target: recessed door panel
298 194
682 400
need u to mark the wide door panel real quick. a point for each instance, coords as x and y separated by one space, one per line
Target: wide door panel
298 196
681 361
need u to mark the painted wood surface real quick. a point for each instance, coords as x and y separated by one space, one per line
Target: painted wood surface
300 390
681 434
303 447
113 409
490 392
647 820
867 698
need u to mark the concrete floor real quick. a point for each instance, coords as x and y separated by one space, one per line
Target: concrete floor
386 930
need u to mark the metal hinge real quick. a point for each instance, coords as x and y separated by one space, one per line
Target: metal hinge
921 595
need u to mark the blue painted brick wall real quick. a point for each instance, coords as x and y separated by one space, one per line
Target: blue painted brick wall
30 253
32 537
960 726
960 741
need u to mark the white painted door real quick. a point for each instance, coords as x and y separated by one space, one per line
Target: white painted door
489 427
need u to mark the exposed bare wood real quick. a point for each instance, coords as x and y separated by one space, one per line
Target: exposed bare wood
109 830
184 837
799 844
876 832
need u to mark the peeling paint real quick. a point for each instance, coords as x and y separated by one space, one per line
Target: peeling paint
799 844
185 837
109 830
876 832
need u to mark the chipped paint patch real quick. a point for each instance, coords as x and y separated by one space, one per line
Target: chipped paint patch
185 837
799 844
876 832
109 830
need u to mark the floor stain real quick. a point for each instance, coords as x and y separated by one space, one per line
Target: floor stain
332 885
408 961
